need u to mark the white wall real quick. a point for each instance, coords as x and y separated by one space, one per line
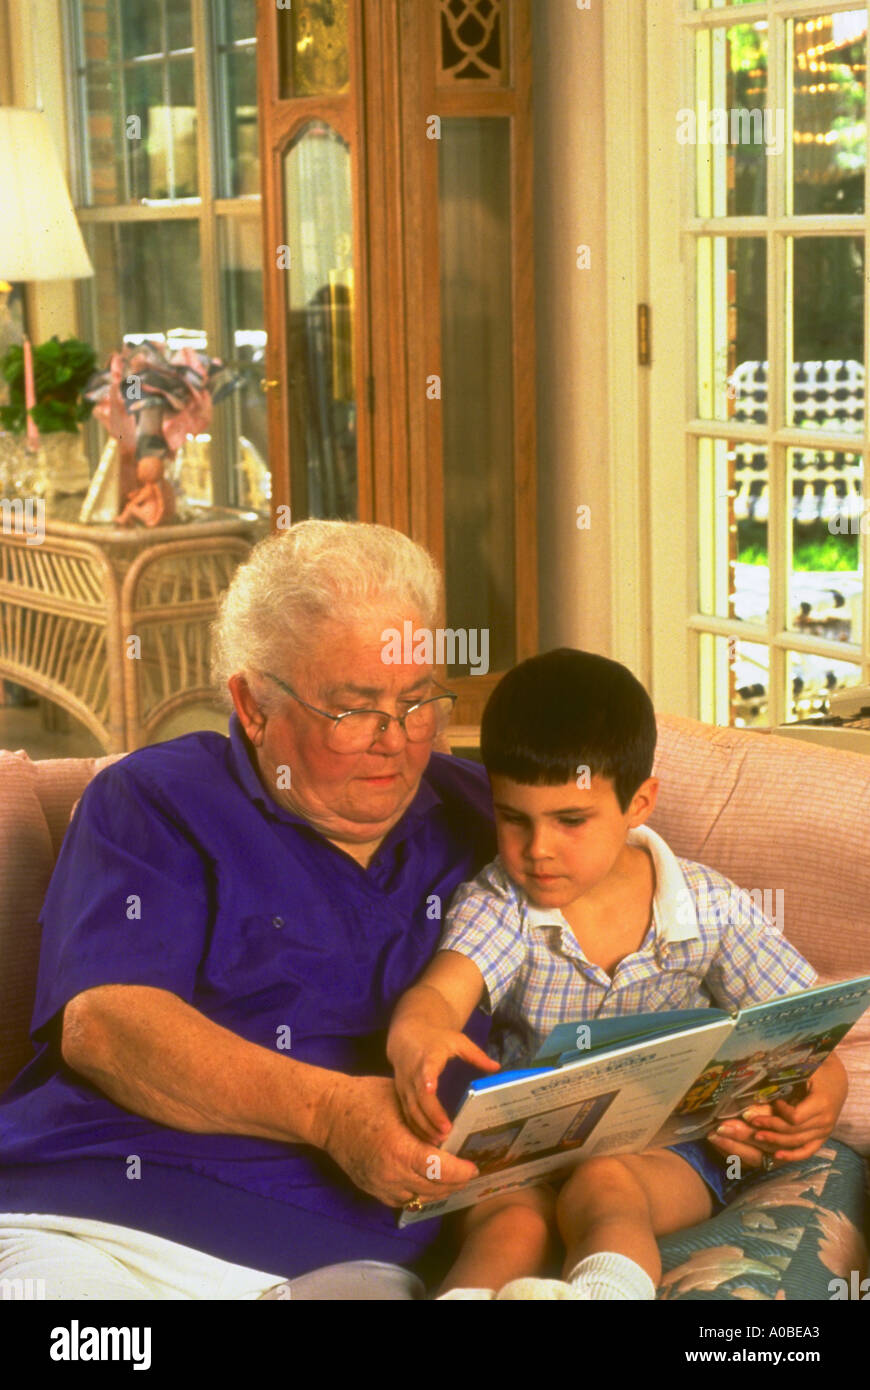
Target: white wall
575 565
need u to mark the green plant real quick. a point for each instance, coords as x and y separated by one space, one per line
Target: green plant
61 370
815 549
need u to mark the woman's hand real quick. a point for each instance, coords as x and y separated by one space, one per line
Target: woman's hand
419 1054
367 1137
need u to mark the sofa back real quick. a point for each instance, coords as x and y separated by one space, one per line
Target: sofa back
770 813
774 813
36 801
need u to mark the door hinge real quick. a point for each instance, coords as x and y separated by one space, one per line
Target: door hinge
643 335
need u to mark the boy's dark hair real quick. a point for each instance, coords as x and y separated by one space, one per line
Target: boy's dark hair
568 709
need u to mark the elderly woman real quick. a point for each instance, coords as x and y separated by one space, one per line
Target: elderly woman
231 920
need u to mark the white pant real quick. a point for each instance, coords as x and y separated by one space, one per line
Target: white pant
68 1257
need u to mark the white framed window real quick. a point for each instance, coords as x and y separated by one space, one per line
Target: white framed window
755 178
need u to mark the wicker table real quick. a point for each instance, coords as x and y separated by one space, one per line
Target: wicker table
71 605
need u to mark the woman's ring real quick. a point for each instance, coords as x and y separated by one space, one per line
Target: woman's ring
766 1163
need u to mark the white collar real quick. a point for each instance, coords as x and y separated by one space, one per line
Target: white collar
673 908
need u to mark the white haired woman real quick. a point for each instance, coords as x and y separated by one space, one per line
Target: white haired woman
231 920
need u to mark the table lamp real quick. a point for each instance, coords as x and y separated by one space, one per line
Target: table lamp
40 238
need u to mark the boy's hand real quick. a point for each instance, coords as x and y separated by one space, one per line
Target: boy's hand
789 1132
796 1131
419 1054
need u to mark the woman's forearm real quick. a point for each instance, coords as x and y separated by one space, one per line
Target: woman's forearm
152 1053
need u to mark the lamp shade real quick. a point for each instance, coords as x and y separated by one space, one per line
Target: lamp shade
39 235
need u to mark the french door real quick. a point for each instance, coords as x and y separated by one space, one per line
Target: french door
756 237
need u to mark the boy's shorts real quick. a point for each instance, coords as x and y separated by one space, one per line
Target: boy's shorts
711 1167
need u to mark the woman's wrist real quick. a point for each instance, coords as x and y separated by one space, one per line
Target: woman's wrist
297 1104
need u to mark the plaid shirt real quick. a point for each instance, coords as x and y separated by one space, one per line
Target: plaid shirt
708 944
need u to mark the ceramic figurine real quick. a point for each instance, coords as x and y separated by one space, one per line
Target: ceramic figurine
154 501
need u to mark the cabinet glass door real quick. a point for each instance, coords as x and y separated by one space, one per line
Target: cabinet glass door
320 323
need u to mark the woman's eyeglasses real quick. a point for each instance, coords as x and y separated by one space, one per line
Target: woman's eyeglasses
356 729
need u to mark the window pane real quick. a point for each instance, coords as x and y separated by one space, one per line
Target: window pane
148 152
100 32
105 137
477 379
242 16
242 299
830 137
729 128
733 681
811 682
140 111
141 27
749 665
321 324
148 280
751 514
826 577
733 500
731 327
179 24
239 109
825 286
182 127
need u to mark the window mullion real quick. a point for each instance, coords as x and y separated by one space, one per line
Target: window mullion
74 84
219 58
121 68
778 355
171 177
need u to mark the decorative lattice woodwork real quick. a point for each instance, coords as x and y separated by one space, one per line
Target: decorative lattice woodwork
473 41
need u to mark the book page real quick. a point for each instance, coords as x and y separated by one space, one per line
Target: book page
546 1122
770 1054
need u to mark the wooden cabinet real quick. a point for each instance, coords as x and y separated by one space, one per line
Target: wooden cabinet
397 181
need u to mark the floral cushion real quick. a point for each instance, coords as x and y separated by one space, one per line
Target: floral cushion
788 1236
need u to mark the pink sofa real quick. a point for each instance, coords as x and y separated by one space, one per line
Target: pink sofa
774 813
768 812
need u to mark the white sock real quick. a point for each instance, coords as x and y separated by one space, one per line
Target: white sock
538 1289
607 1275
465 1294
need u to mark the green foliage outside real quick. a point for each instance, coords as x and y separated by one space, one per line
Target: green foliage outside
747 48
61 370
815 548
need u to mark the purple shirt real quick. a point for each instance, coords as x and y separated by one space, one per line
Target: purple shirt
248 914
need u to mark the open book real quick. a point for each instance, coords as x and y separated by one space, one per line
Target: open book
620 1085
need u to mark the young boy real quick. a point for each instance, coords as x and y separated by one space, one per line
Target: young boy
586 913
